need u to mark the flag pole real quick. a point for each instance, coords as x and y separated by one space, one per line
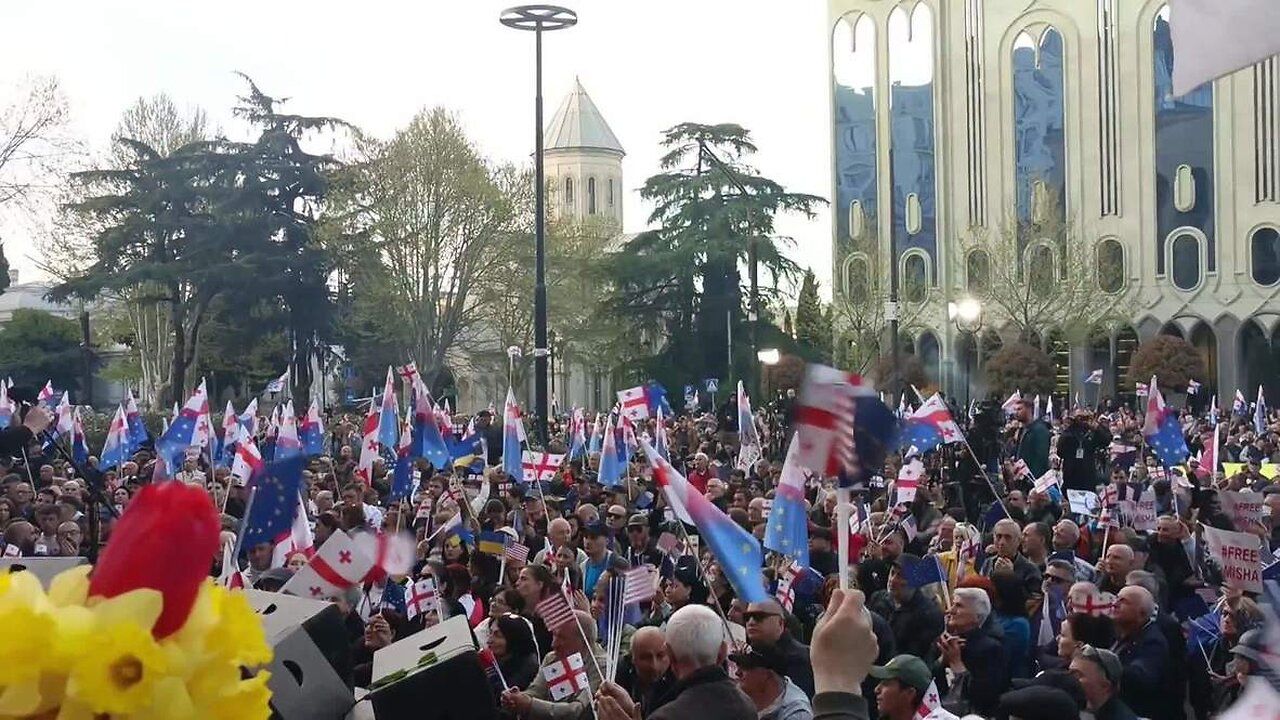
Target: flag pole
244 523
843 500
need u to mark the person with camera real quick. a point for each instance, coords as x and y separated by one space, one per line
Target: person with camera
1078 445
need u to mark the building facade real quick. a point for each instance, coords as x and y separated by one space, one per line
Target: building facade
583 170
964 115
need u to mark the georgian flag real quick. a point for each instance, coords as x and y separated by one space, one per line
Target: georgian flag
368 447
566 677
422 598
1094 378
908 481
634 402
297 539
1010 405
930 704
340 564
540 466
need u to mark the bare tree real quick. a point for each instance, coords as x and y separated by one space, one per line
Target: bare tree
858 309
1040 277
35 145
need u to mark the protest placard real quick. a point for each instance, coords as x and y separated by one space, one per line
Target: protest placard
1238 555
1144 511
1083 502
1244 508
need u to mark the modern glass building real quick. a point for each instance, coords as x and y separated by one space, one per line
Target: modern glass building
1000 142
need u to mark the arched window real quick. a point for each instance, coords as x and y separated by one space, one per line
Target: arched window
591 196
1186 261
1041 264
1265 248
915 276
610 192
1110 266
857 285
978 271
568 191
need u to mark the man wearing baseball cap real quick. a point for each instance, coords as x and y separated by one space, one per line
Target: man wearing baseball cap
904 681
762 676
1099 672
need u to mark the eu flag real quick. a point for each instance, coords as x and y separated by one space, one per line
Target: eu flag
920 434
274 501
1168 443
922 572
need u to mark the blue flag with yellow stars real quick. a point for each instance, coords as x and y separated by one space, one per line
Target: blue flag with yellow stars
275 497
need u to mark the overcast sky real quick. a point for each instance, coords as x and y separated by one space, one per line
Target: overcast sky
648 65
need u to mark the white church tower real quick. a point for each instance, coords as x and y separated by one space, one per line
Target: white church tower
583 161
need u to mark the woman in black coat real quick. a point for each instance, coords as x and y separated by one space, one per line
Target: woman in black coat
512 645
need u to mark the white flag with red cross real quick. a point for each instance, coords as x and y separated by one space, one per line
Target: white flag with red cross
338 565
540 466
566 677
422 598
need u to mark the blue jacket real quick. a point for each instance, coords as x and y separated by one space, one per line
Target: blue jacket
1145 657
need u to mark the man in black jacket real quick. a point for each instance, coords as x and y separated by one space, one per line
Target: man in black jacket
697 647
915 619
1143 650
766 625
1078 447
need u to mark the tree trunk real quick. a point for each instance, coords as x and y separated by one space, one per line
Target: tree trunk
178 374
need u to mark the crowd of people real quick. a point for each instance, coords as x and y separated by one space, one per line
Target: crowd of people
1026 607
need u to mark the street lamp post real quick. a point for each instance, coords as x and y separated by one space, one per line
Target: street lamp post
967 316
537 19
768 358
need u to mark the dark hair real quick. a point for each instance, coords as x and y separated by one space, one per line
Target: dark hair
1095 630
457 581
1044 531
1010 598
543 576
519 636
328 519
513 599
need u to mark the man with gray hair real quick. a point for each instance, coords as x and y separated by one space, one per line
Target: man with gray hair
1066 538
697 647
973 666
1148 683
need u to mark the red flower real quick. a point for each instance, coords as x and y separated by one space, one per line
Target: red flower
165 541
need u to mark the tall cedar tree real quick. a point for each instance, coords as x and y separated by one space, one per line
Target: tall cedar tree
681 283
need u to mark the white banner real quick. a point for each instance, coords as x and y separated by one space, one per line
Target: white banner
1244 508
1144 511
1239 556
1083 502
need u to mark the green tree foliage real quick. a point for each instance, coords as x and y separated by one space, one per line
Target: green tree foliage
430 226
680 285
1172 360
36 346
813 323
211 220
1019 366
4 270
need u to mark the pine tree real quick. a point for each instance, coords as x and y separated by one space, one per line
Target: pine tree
813 326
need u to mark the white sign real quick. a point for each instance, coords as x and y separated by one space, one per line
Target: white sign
1244 508
1144 511
1239 556
1083 502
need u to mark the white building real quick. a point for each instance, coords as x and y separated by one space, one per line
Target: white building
583 170
998 105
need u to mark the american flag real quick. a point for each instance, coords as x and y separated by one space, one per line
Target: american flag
640 582
667 542
555 612
517 553
786 589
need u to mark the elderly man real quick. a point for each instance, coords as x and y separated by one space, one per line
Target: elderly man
1144 653
1066 537
1115 564
566 640
697 646
559 534
1036 539
766 626
1174 552
1008 539
646 672
1099 672
973 664
762 677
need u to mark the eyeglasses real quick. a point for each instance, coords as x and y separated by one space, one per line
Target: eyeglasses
758 616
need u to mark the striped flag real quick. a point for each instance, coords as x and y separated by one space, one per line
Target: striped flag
555 612
640 582
516 553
